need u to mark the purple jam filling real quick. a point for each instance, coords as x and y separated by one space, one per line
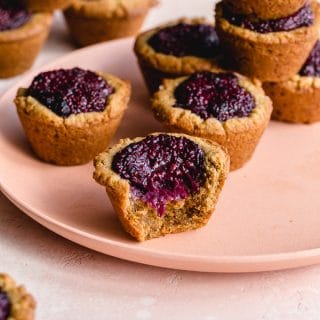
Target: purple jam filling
161 168
185 39
12 15
5 306
302 18
71 91
214 95
311 68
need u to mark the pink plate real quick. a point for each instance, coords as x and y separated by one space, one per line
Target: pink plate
268 216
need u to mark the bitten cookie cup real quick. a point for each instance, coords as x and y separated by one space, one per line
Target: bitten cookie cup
239 136
21 304
265 9
46 6
156 66
19 47
140 219
275 56
91 22
296 100
78 138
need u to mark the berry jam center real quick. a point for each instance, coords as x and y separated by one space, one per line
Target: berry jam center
184 39
302 18
214 95
311 68
161 168
12 15
5 306
71 91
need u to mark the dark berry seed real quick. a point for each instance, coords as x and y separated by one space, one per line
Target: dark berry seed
311 68
214 95
71 91
185 39
5 306
302 18
12 15
161 168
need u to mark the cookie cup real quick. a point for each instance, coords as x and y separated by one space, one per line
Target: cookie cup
91 22
78 138
22 303
157 66
19 47
275 56
265 9
296 100
239 136
139 218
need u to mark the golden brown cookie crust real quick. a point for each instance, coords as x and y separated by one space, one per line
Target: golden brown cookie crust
19 47
91 22
22 303
140 219
47 5
296 100
265 9
78 138
239 136
275 56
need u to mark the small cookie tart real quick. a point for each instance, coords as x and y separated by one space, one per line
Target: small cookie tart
46 6
91 22
22 36
15 302
298 99
162 183
265 9
221 106
175 49
271 50
69 116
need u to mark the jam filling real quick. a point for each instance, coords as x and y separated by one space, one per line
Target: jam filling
12 15
185 39
161 168
71 91
5 306
214 95
302 18
311 68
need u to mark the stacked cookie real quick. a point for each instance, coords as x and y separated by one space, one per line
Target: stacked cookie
272 41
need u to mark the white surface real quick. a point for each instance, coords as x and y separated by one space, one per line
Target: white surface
70 282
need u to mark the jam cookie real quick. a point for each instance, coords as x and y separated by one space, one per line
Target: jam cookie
15 302
163 183
221 106
271 50
298 99
22 35
69 116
